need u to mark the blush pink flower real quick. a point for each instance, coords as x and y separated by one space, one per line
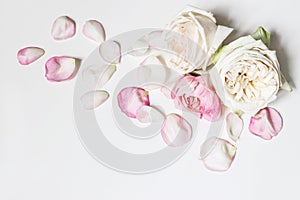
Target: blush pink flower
197 95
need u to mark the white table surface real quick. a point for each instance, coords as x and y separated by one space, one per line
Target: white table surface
41 156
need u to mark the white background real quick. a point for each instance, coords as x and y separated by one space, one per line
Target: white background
41 156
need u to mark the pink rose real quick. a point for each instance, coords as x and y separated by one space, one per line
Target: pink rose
197 95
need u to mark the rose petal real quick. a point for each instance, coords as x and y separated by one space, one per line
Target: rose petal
167 92
266 123
61 68
94 99
94 30
110 51
151 70
234 125
176 131
92 73
155 39
149 114
29 55
130 99
63 28
106 75
217 154
140 47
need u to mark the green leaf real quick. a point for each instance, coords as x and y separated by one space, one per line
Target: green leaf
218 54
263 35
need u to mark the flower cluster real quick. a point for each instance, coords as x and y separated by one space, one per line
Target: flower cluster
216 81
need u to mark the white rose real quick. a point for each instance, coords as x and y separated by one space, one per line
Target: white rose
194 37
246 75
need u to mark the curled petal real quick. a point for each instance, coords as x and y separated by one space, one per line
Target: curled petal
28 55
266 123
94 99
110 51
149 114
94 30
176 131
217 154
234 125
63 28
131 99
61 68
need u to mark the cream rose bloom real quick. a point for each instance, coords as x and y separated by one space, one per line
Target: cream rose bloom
246 75
194 37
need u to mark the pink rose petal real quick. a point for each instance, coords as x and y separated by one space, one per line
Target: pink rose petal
234 125
149 114
266 123
167 92
94 30
217 154
176 131
63 28
110 51
61 68
28 55
94 99
131 99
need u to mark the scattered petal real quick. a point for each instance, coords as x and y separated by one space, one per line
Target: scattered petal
234 125
92 73
140 47
106 75
176 131
110 51
94 30
155 39
152 70
29 55
266 123
167 92
63 28
149 114
217 154
61 68
131 99
94 99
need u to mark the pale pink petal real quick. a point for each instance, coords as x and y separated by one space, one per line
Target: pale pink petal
92 73
61 68
106 75
110 51
234 125
63 28
151 70
167 92
29 55
149 114
266 123
94 30
130 99
155 39
217 154
176 131
139 48
94 99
